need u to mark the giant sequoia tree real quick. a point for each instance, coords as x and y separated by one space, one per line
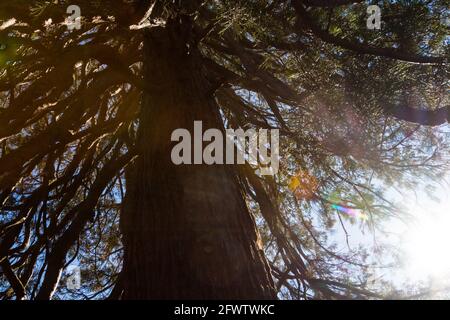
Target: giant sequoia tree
86 118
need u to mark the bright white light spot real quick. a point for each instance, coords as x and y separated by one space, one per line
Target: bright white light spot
427 243
7 24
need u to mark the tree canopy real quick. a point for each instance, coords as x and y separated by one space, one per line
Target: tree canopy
358 111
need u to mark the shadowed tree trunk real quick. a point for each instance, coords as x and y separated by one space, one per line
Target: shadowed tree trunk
187 231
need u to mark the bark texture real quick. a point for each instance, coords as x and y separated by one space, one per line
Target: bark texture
187 231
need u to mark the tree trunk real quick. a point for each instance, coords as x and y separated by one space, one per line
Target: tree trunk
186 229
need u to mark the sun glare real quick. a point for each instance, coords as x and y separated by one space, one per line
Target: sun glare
426 243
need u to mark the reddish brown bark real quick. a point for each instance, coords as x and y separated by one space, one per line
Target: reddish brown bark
187 231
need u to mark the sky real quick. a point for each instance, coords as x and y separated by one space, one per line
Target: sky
420 242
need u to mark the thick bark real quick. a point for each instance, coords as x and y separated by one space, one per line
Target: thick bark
187 231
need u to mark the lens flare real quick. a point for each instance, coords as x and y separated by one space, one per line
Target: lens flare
350 211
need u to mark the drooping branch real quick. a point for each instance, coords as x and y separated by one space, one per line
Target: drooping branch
57 258
15 282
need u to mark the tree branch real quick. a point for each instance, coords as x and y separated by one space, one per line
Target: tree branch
15 282
303 17
84 209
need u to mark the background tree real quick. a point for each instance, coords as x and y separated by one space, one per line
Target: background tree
86 119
